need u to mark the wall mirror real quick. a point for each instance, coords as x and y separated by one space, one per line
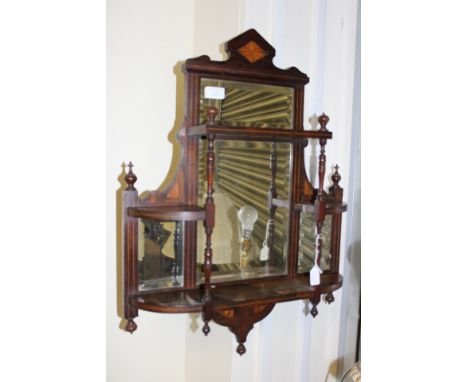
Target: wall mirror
240 228
160 254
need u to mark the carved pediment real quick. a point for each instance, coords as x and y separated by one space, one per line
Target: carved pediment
250 55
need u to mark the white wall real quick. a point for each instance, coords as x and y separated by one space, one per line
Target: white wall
145 41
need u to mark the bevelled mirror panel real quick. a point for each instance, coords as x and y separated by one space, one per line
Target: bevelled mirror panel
250 239
243 104
160 254
307 243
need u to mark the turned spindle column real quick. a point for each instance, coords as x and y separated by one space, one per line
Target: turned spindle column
320 203
336 192
176 262
130 248
272 194
209 224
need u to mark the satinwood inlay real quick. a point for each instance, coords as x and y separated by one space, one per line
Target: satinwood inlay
252 52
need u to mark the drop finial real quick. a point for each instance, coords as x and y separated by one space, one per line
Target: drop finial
241 349
329 298
131 326
314 310
206 329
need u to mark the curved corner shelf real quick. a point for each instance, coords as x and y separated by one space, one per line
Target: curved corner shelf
168 213
232 296
188 301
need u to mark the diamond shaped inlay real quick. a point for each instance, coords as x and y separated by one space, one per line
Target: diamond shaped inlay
252 52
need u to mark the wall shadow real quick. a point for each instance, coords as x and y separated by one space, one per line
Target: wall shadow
177 154
332 373
306 308
193 321
353 258
222 49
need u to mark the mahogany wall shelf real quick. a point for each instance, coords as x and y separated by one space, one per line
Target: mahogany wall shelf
240 228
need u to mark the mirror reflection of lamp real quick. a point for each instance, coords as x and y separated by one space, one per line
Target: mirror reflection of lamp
247 216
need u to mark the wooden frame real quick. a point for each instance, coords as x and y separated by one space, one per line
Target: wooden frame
237 304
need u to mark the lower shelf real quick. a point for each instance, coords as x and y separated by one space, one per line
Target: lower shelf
228 296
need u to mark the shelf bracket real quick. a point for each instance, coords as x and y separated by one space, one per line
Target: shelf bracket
240 320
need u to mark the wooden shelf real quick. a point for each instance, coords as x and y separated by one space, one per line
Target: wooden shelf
229 296
331 208
168 213
169 302
254 133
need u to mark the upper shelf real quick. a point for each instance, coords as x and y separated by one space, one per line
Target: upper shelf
168 213
254 133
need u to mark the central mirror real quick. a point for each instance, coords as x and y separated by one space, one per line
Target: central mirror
250 237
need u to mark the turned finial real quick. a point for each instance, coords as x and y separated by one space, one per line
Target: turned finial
206 329
130 178
336 177
329 298
212 112
241 349
323 120
314 310
131 326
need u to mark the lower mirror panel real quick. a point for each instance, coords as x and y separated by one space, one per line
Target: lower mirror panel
160 254
249 239
237 257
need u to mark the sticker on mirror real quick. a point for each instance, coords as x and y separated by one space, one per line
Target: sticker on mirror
214 92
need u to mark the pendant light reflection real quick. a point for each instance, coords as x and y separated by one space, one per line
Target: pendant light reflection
247 216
